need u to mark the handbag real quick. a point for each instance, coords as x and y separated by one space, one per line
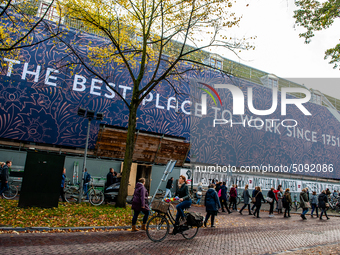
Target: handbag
253 199
199 193
307 204
327 205
269 199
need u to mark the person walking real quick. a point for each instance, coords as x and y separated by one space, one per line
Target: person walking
212 204
314 203
140 204
62 188
259 198
199 193
271 195
254 204
232 197
223 197
87 179
323 201
304 203
279 200
4 177
246 199
287 201
168 188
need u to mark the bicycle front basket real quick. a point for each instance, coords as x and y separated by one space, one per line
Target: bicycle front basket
160 206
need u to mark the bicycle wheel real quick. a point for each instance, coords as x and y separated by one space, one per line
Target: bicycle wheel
96 197
11 193
70 196
172 211
157 228
190 233
238 200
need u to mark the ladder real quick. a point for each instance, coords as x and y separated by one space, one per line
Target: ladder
75 172
168 169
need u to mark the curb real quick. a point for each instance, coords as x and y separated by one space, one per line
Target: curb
19 229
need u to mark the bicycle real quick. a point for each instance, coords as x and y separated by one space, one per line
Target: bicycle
158 226
72 194
11 192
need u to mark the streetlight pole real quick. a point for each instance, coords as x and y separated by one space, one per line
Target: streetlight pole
84 163
89 114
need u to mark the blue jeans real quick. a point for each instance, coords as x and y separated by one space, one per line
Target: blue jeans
314 207
167 192
305 210
4 187
180 207
198 200
135 216
85 188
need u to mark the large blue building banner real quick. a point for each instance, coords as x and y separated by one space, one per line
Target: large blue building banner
39 99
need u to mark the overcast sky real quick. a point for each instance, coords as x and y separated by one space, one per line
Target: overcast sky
278 48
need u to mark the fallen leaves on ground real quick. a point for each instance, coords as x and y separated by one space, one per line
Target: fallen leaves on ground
66 215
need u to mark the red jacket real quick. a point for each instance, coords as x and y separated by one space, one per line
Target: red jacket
233 192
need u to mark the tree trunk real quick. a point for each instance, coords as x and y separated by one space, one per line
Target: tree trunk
130 145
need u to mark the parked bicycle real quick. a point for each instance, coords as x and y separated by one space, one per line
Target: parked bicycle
96 197
158 226
11 192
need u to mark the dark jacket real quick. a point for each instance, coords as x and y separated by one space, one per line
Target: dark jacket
217 188
246 197
224 192
288 199
182 192
233 192
303 199
4 174
140 198
169 184
323 199
259 198
212 203
110 179
271 195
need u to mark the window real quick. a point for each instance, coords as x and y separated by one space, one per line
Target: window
317 99
52 13
216 63
273 83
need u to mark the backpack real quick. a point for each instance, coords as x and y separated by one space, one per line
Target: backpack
194 219
87 178
220 193
284 200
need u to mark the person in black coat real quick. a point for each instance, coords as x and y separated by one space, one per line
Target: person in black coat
168 187
323 199
182 192
259 198
212 204
223 197
4 177
272 196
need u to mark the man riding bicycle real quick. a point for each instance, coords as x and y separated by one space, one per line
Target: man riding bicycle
182 192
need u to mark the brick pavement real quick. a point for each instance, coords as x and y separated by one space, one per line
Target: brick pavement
235 234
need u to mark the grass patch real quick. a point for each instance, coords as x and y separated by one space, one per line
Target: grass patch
66 215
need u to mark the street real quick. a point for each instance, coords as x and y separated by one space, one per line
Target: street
234 234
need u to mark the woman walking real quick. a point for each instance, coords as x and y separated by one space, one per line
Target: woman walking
212 204
140 204
323 199
271 204
223 197
233 195
279 200
246 199
304 203
199 193
259 198
287 201
314 203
